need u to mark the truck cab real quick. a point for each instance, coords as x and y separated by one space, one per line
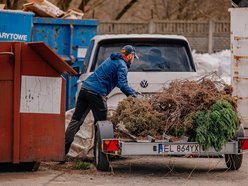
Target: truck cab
162 58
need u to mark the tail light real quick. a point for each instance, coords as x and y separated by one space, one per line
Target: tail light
110 145
243 144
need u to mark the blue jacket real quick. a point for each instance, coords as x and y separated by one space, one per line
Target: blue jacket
111 73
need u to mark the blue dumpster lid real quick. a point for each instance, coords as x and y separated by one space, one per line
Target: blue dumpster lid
56 62
16 12
59 21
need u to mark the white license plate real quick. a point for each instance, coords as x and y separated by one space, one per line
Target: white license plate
145 95
179 148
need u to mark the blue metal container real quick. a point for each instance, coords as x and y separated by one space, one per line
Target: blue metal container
16 25
69 39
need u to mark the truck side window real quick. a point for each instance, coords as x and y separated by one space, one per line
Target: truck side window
87 56
103 52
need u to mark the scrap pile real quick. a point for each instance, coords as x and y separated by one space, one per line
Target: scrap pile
202 110
44 8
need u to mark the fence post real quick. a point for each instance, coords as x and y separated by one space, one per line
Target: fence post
210 36
151 27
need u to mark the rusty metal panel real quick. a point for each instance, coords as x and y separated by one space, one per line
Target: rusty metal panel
240 48
240 69
241 87
239 54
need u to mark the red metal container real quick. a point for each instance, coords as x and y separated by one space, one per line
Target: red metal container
32 103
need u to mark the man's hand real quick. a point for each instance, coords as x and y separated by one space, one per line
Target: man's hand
137 93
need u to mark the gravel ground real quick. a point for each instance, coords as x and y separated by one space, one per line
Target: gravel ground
135 171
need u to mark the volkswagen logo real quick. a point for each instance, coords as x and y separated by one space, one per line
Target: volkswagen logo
144 84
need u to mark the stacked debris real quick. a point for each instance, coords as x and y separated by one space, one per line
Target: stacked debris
202 110
44 8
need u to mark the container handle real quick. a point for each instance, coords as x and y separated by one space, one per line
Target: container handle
7 53
11 54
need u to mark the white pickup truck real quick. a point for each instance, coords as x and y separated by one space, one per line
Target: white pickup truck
163 58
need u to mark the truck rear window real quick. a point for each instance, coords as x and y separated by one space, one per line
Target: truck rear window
154 55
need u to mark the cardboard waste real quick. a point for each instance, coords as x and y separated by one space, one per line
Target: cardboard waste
43 8
73 14
2 6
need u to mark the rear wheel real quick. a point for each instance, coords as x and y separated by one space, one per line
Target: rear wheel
101 159
104 130
233 161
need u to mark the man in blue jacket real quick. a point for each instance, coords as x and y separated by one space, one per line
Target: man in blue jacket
92 96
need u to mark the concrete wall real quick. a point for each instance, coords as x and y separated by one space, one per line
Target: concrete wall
204 36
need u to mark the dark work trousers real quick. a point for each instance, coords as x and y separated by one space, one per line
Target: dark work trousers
87 100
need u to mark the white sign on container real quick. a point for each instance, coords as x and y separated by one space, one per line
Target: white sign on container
40 94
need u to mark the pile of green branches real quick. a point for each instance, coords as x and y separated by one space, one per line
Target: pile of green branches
216 126
203 110
182 99
138 116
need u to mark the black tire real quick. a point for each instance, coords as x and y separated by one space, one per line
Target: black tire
233 161
100 159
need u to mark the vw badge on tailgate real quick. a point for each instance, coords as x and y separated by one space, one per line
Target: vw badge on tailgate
143 83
